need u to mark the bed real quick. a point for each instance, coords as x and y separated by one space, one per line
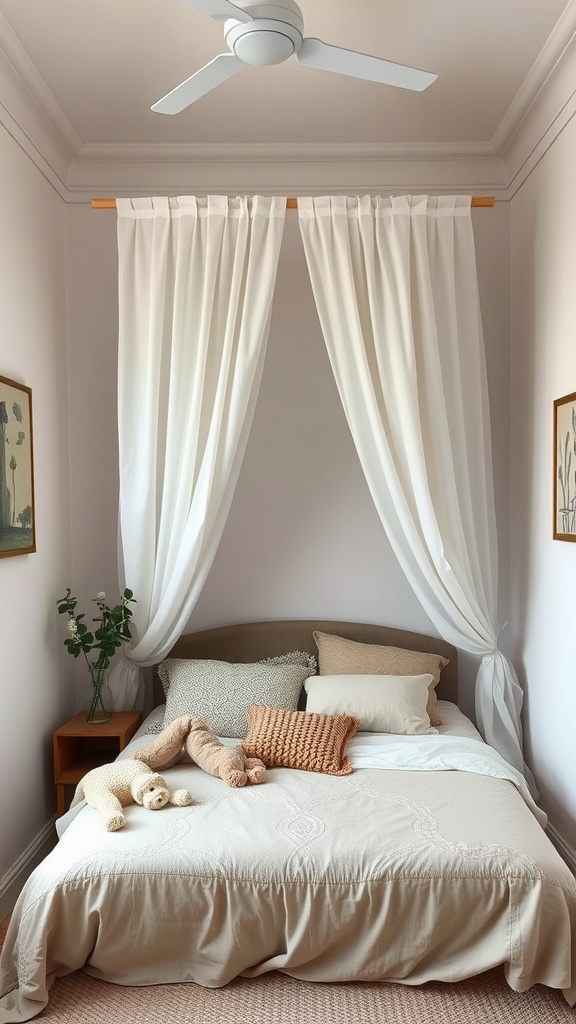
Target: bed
426 860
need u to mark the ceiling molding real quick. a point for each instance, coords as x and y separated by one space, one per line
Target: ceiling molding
552 52
282 152
32 134
524 158
33 104
30 115
284 169
553 106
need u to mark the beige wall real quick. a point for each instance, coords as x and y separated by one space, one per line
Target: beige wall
543 571
35 691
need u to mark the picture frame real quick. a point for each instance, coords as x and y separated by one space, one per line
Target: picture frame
17 515
565 468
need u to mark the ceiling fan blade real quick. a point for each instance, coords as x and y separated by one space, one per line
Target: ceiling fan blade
220 10
314 53
217 71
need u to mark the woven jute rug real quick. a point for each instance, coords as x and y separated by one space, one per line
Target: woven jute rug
278 999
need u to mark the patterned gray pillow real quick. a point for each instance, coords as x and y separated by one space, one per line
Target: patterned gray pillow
293 658
220 692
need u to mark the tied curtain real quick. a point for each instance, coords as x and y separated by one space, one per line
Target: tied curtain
196 280
395 285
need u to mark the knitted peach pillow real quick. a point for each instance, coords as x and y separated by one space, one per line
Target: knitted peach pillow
300 739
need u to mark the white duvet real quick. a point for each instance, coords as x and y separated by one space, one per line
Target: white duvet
438 754
428 862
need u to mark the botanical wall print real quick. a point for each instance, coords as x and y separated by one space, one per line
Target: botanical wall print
17 527
565 468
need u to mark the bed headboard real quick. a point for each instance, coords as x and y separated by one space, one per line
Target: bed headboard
252 641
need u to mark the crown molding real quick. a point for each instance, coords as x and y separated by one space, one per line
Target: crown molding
282 168
31 115
36 87
536 78
282 152
543 106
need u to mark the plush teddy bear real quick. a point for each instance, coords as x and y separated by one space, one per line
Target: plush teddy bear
191 736
111 787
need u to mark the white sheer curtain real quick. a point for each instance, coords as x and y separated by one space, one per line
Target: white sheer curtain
196 280
396 291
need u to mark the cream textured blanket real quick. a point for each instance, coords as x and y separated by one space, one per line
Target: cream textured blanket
398 874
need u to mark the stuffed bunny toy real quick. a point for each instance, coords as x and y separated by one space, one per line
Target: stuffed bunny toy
111 787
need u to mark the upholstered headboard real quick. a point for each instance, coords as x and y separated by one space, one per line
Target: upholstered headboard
252 641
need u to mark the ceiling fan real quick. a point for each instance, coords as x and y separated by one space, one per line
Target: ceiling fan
259 32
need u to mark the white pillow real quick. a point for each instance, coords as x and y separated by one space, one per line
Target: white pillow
381 703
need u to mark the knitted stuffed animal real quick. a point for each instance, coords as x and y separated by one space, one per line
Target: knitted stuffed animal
111 787
191 736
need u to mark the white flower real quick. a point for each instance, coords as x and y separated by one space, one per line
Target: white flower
111 627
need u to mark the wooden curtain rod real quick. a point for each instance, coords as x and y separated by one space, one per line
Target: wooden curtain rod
291 204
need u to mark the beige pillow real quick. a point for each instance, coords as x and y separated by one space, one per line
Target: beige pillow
297 739
381 703
338 656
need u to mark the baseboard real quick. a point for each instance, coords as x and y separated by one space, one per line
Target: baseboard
13 881
567 852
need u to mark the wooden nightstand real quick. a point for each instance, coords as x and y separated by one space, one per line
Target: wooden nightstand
79 746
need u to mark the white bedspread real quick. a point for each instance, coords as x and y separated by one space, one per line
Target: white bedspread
429 862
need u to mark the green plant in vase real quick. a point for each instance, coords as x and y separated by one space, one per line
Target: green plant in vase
112 630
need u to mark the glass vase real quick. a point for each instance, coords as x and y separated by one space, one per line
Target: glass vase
99 701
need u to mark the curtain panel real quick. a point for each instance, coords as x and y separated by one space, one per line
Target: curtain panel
196 280
395 286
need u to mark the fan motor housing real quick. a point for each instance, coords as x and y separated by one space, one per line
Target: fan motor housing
272 37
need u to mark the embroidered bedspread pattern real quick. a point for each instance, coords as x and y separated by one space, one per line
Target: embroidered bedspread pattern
437 875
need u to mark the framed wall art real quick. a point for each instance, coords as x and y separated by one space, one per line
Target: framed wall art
17 525
565 468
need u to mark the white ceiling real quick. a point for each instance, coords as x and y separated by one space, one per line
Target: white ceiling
106 61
